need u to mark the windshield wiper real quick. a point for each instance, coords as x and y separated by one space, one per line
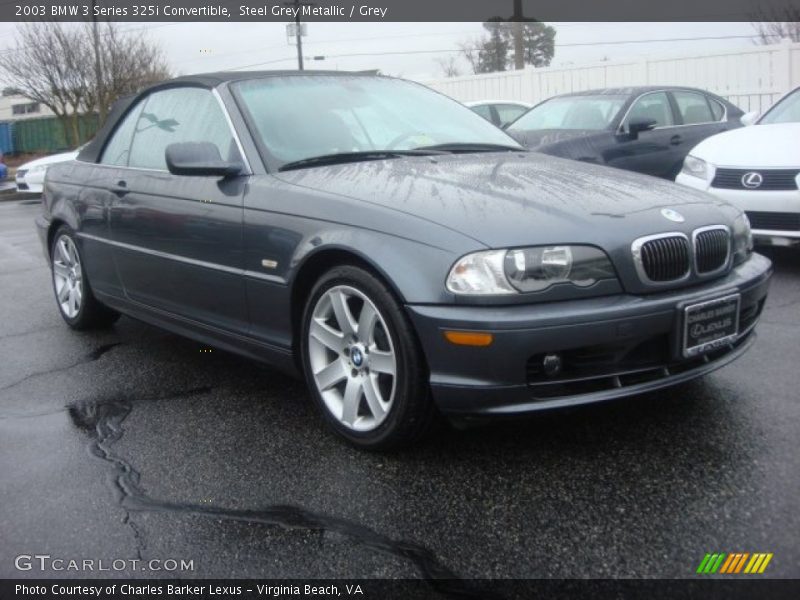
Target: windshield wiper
346 157
456 148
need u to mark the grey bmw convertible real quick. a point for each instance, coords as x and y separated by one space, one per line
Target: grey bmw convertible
405 256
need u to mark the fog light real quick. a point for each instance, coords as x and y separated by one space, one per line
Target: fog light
551 364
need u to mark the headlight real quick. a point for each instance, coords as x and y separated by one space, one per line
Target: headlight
742 239
479 273
528 269
36 170
694 166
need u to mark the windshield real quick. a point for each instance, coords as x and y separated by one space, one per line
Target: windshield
301 117
571 112
785 111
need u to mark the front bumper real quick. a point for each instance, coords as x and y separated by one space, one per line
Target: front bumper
31 183
42 228
613 346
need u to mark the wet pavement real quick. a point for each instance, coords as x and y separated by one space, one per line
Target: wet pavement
138 444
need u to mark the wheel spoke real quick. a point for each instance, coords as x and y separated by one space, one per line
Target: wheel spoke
60 269
78 296
63 293
63 251
352 396
373 398
366 323
342 311
331 375
326 336
382 362
73 253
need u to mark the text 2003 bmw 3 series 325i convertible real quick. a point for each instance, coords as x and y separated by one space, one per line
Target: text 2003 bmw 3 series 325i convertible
402 253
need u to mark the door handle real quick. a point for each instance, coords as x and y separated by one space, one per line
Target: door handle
675 140
120 188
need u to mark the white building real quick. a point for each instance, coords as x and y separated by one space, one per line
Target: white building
14 107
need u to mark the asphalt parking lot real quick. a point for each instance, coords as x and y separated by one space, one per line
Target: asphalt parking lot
135 443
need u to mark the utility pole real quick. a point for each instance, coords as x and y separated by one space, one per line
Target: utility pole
298 29
98 71
299 34
516 25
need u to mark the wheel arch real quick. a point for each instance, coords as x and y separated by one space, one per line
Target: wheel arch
317 264
54 226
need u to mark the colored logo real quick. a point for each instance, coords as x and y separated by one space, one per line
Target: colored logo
672 215
735 563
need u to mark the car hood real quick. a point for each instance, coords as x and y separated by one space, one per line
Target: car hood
49 160
513 199
757 146
536 139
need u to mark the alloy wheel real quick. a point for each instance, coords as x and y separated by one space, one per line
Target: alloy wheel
352 358
67 276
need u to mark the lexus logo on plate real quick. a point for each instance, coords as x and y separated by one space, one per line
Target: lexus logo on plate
752 180
672 215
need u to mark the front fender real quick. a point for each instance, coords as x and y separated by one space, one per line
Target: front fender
415 271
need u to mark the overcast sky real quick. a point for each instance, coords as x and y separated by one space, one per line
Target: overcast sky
199 47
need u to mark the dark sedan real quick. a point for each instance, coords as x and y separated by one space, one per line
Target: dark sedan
402 253
644 129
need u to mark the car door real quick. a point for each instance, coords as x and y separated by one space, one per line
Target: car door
653 152
97 200
699 117
178 238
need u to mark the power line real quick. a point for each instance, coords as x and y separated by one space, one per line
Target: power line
451 50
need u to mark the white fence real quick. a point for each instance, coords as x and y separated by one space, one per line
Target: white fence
752 78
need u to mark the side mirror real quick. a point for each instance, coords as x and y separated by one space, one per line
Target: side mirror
637 126
199 159
749 118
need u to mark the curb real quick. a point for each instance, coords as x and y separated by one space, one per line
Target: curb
13 195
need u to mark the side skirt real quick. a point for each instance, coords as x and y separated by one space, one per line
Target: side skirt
278 357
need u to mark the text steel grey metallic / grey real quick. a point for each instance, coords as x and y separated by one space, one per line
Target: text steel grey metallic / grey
402 253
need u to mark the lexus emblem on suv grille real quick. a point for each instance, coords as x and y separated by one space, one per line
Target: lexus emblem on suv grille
672 215
752 180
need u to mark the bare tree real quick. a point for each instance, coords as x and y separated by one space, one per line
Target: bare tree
127 64
777 24
46 68
470 50
53 64
449 66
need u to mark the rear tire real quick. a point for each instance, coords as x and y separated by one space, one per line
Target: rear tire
76 302
362 362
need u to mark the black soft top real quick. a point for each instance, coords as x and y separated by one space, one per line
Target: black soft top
91 152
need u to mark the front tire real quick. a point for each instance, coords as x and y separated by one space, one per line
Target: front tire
74 297
362 362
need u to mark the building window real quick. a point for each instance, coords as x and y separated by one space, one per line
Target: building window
26 109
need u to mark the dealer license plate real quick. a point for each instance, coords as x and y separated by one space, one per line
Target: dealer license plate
710 325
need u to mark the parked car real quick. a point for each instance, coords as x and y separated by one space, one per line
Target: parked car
758 169
30 176
404 254
499 112
3 168
644 129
